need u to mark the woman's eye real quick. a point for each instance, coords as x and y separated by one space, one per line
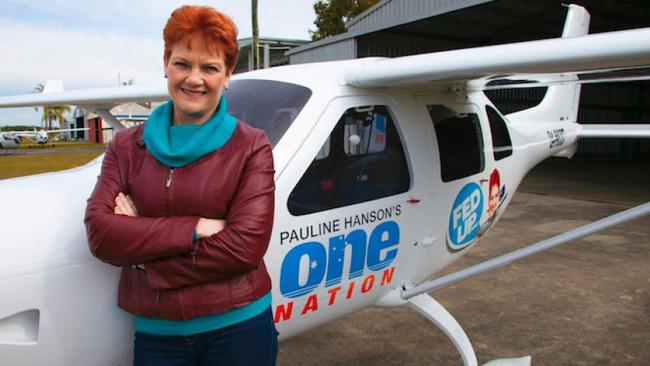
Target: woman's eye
180 64
212 69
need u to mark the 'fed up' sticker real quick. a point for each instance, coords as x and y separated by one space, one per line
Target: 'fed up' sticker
465 216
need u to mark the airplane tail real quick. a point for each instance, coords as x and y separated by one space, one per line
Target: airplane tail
53 86
562 97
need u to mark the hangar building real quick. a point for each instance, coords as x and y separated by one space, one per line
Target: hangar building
393 28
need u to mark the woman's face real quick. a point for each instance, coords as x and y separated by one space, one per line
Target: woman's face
195 80
494 199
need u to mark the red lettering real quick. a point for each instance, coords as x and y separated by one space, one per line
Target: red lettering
350 289
367 284
387 277
283 312
333 293
310 305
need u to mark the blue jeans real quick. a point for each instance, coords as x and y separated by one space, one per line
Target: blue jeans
251 342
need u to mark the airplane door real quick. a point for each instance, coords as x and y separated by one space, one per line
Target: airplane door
469 183
345 214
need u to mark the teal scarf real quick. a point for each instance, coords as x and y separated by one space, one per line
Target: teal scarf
209 137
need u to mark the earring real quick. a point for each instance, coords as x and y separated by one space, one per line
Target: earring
165 76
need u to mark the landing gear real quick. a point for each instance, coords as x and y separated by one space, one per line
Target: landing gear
438 315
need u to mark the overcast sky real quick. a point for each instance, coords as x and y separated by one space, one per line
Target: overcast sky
87 43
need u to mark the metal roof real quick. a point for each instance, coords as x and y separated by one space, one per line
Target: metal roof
388 13
482 22
244 42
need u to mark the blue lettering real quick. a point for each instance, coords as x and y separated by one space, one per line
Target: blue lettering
385 236
357 241
465 216
312 258
290 276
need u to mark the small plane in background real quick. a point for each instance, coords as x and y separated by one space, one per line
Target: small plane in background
39 137
9 141
387 171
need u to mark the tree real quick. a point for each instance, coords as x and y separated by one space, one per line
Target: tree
331 15
55 113
51 112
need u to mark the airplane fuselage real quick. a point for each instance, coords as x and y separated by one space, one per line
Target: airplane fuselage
8 141
376 189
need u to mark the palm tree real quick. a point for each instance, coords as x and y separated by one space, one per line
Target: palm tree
55 113
51 112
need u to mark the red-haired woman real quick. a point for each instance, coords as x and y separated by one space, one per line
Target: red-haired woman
184 204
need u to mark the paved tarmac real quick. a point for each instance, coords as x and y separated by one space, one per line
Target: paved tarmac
584 303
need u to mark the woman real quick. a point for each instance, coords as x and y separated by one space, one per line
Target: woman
184 204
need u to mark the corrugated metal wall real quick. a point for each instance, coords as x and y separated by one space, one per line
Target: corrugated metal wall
615 103
392 12
343 50
599 104
393 45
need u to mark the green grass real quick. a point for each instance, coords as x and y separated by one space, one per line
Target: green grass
22 165
59 145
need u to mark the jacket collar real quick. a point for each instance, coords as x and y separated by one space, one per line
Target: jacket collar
140 139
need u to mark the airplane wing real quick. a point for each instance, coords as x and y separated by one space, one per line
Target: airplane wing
67 130
590 52
23 134
91 97
609 130
99 100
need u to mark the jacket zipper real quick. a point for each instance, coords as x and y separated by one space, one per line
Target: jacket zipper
170 177
168 184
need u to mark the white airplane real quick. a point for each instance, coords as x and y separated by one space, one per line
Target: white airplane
40 137
9 141
387 171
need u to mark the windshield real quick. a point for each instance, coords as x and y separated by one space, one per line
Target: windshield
268 105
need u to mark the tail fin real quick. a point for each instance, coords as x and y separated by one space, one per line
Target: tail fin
53 86
560 104
577 22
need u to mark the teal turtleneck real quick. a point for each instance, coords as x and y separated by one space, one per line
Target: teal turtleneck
181 145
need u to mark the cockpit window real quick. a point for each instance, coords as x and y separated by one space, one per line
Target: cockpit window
362 160
268 105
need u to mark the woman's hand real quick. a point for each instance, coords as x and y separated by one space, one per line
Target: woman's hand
208 227
124 206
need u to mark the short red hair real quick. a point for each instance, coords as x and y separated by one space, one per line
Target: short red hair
495 179
212 29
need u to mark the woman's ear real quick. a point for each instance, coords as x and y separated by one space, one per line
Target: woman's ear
226 81
165 63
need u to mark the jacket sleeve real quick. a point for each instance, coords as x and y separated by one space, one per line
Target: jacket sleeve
240 246
123 240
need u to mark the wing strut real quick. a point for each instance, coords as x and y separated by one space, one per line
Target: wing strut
109 118
602 224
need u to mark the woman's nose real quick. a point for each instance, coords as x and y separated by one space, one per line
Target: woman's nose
194 77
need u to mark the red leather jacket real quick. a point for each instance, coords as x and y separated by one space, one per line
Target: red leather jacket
234 183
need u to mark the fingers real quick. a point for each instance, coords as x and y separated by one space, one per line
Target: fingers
208 227
124 206
134 209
